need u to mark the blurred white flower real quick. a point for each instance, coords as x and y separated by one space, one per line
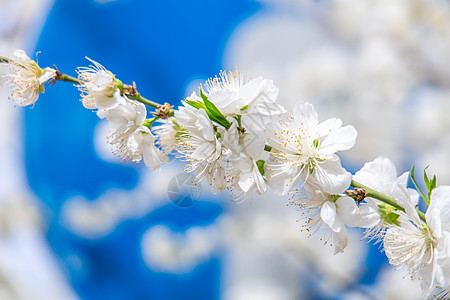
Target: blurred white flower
25 78
303 148
99 89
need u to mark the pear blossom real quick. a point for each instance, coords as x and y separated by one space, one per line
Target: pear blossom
25 78
99 88
303 148
167 132
235 93
381 175
245 171
129 137
423 247
141 143
200 146
321 210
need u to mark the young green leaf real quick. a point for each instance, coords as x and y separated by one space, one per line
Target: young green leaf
195 104
204 97
215 114
411 174
431 184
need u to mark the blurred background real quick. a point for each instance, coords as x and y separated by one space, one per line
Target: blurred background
76 223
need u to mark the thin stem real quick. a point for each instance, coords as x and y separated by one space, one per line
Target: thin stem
68 78
383 198
143 100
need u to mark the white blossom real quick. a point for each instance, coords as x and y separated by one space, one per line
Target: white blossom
200 147
167 132
381 175
423 247
302 148
246 160
99 88
320 210
235 93
25 78
141 143
129 138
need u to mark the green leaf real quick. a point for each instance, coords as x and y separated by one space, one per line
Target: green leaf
411 174
214 113
195 104
425 178
431 184
260 163
204 97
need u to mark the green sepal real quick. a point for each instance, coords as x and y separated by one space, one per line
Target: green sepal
390 218
149 122
119 84
260 164
244 107
335 197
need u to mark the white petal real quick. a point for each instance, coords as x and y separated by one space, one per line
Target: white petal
438 213
306 114
105 102
153 157
276 137
331 177
348 211
49 73
204 125
246 182
21 55
370 216
204 151
340 139
327 126
340 240
329 216
379 174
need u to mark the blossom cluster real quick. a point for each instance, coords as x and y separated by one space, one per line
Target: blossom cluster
234 135
130 136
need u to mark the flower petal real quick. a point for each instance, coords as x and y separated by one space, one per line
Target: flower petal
348 211
340 139
331 176
305 114
328 215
